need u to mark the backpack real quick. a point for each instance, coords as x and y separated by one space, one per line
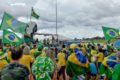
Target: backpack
14 71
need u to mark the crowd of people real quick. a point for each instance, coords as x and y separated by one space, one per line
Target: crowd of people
84 61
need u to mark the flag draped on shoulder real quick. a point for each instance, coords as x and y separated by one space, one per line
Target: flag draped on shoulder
34 14
110 33
9 22
76 66
11 37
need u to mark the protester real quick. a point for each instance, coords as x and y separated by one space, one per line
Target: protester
100 57
77 64
116 72
38 52
43 68
26 58
15 71
107 67
62 60
33 50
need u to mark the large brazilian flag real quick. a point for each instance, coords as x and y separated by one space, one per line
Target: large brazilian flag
110 33
9 22
11 37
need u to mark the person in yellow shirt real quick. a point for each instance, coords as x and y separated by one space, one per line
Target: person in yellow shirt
26 59
3 61
93 54
93 51
33 50
62 61
100 57
61 58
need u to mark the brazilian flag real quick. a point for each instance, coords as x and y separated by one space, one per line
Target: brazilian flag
9 22
11 37
110 33
34 14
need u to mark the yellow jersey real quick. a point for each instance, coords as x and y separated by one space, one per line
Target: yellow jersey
100 57
26 60
93 52
61 59
32 51
3 63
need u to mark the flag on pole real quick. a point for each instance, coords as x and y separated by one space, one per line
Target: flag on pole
110 33
34 14
11 37
9 22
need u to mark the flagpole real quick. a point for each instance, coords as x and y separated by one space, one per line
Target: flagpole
56 23
30 15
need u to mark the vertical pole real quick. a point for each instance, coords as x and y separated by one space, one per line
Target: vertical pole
56 23
30 14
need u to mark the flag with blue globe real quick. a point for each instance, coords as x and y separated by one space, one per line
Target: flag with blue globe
110 33
10 37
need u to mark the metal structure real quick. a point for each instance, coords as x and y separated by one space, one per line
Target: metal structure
45 34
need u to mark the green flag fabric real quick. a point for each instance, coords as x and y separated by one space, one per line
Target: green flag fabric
34 14
10 37
74 67
116 73
9 22
110 33
43 68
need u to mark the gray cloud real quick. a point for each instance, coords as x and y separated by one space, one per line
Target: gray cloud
76 18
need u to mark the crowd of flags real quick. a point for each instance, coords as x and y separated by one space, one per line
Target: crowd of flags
10 25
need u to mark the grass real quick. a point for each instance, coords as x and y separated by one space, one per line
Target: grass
101 41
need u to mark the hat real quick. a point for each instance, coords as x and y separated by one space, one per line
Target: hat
26 50
40 46
73 46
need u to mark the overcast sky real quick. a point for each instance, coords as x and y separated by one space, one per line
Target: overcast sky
76 18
